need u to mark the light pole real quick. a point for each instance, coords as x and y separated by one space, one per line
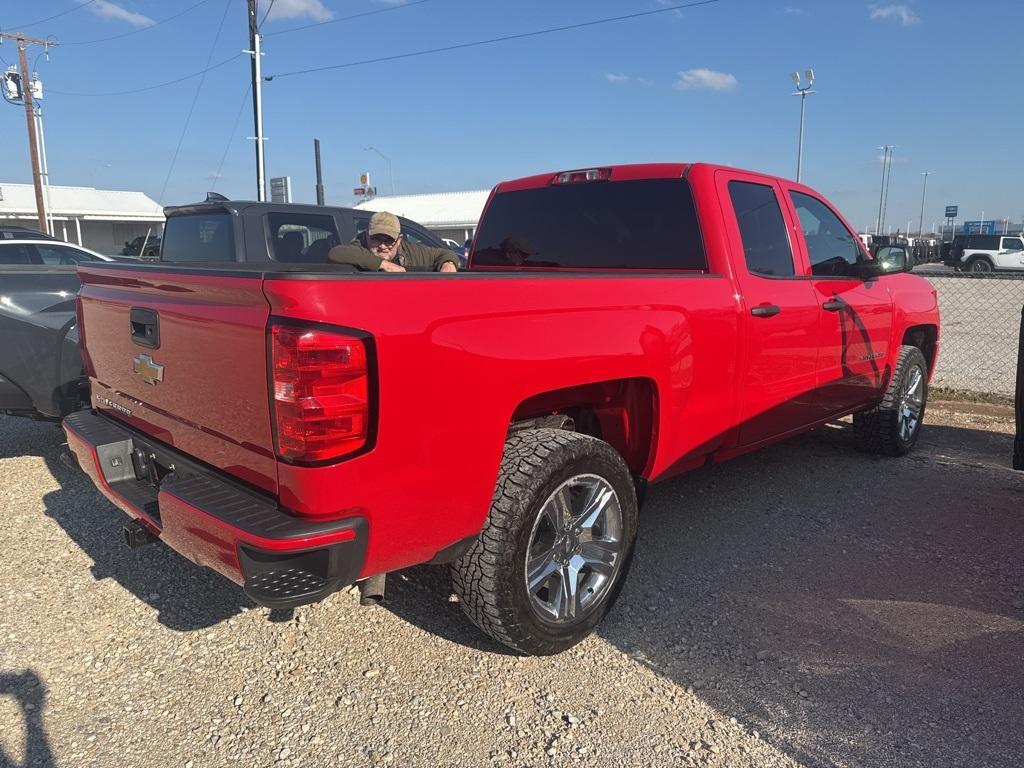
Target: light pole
391 176
802 92
879 223
924 191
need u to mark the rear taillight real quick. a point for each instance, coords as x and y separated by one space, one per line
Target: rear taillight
80 326
321 392
587 174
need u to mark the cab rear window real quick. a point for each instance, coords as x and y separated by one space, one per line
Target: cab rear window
646 224
199 237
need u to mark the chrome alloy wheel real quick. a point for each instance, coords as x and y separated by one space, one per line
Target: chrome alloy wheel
575 549
911 404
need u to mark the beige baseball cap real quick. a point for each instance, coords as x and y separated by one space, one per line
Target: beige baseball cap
384 223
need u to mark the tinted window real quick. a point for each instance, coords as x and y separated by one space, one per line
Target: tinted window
303 238
831 248
61 254
198 237
16 254
1011 244
650 224
762 229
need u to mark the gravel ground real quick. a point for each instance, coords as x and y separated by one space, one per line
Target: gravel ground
806 605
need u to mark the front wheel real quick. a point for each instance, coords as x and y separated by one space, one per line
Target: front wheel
556 545
892 427
979 266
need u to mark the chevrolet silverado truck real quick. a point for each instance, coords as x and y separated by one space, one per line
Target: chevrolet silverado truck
301 429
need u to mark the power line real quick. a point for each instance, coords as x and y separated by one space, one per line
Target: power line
157 85
345 18
154 25
505 38
231 137
268 9
55 16
195 98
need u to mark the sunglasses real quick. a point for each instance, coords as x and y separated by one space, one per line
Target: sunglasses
383 240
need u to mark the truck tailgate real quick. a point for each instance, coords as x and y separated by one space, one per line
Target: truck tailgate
182 356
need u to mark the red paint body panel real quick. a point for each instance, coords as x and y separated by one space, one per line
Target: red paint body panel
213 401
457 357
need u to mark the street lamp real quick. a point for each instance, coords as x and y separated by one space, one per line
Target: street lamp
883 193
802 92
924 191
387 159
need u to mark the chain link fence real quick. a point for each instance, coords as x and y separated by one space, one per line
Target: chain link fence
981 316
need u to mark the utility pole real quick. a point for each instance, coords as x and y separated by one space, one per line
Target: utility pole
319 177
30 117
257 100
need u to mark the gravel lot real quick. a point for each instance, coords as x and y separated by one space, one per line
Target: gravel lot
806 605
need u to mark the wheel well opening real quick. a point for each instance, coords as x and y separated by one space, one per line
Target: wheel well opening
620 412
923 337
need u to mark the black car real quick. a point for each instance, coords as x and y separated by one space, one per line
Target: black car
13 232
135 247
219 229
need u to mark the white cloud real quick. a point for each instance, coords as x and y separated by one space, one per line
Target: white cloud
705 79
613 78
297 9
792 10
109 10
904 14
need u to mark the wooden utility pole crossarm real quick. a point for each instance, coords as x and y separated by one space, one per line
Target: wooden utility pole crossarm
26 98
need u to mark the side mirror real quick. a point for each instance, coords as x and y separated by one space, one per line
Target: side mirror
888 260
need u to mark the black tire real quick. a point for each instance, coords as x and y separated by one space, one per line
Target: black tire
979 265
881 429
490 579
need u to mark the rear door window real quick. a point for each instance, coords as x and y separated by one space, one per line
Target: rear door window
199 237
62 255
646 224
301 238
16 253
762 229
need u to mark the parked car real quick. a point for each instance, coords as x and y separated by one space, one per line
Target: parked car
298 428
41 372
13 232
143 247
981 254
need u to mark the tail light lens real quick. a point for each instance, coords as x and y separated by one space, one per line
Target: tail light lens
321 393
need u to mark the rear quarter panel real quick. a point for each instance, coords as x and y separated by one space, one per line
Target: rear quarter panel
458 354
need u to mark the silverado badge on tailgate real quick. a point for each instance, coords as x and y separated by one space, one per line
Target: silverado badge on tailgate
150 372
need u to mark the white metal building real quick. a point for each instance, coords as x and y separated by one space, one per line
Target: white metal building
447 214
100 219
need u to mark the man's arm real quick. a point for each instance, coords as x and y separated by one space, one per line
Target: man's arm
356 256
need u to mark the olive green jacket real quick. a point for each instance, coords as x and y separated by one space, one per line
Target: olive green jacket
410 255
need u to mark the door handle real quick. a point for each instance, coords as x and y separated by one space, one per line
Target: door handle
765 310
832 306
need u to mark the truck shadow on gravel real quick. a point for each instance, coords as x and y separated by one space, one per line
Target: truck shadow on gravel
854 610
29 694
185 596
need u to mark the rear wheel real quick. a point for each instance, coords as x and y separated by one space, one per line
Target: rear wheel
979 265
891 428
557 543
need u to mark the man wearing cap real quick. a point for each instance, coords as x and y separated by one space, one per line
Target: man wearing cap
382 248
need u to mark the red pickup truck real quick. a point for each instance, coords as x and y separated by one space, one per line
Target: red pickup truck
300 429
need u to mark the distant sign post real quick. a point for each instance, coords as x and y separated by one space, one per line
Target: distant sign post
952 211
281 189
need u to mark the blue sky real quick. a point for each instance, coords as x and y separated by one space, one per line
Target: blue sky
708 83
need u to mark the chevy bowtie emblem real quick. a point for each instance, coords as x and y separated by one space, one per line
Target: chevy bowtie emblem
150 372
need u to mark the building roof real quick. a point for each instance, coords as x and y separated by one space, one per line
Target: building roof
437 211
87 203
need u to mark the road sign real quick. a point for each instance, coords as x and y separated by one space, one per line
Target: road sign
951 211
359 191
